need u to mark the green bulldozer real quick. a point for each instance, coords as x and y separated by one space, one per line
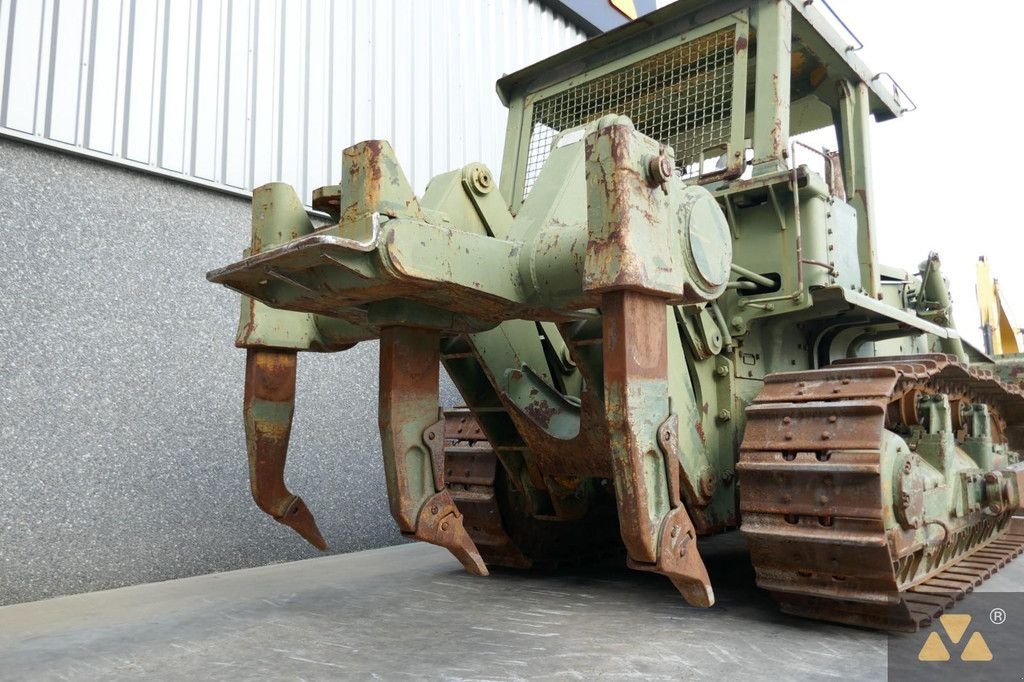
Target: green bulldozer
666 319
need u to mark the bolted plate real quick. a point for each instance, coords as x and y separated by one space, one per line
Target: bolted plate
709 244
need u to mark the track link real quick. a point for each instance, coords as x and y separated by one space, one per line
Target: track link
470 468
812 495
504 531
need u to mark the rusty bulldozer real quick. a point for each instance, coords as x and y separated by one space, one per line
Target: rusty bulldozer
663 326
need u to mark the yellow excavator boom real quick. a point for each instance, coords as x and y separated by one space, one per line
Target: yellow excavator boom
1001 337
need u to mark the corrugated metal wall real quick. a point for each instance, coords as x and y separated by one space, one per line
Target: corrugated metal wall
236 93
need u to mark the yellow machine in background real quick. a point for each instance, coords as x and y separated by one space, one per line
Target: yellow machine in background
1001 337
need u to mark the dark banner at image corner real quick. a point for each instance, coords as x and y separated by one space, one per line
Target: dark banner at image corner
980 638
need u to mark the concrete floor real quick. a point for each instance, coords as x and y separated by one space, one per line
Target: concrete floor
410 612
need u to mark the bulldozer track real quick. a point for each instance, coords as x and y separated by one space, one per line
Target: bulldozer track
471 467
508 535
812 494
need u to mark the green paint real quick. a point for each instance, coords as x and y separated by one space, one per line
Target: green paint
513 281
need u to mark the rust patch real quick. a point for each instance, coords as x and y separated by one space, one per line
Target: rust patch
680 561
635 336
818 76
408 400
373 148
635 352
269 376
441 523
250 326
585 455
540 412
267 406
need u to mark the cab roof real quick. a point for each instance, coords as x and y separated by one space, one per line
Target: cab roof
814 37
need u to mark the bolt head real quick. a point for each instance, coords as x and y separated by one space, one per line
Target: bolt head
707 484
659 170
481 180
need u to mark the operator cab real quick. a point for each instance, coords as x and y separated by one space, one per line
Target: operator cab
740 91
726 86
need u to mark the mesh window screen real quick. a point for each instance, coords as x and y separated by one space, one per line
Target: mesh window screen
681 97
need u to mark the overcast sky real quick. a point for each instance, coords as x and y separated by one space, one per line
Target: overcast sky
959 64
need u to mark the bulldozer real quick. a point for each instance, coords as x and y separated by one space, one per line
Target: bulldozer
666 320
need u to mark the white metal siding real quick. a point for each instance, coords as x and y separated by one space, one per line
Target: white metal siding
236 93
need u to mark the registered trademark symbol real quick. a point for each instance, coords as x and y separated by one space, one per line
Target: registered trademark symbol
997 616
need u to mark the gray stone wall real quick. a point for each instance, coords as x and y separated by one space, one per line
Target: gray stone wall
122 457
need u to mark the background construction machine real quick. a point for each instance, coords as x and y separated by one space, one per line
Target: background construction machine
1001 338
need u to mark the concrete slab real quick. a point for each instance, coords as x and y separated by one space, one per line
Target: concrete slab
410 612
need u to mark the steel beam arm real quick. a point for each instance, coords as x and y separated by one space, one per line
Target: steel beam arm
655 526
412 439
774 25
268 407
